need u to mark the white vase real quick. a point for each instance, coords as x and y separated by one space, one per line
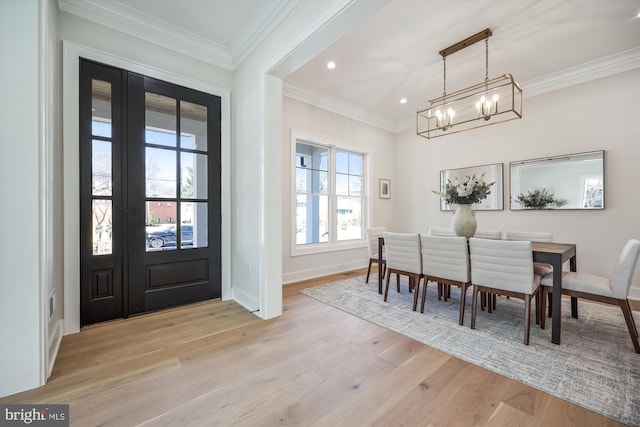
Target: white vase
464 222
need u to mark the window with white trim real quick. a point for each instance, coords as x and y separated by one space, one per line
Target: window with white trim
329 195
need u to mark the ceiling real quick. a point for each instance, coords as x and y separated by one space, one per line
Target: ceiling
394 53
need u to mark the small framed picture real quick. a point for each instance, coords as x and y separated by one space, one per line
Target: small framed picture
385 188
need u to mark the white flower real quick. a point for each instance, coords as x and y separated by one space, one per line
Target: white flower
471 191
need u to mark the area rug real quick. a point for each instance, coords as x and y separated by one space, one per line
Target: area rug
594 367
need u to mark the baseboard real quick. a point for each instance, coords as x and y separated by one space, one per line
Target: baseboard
634 294
297 276
54 345
246 300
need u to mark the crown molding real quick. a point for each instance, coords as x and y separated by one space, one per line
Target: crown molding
123 18
607 66
334 105
261 23
620 62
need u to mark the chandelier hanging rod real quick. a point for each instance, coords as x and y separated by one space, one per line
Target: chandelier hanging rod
482 35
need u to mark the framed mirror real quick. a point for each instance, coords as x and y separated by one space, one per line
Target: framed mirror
492 173
572 181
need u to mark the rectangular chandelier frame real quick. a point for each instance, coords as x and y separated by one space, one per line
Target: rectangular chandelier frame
467 113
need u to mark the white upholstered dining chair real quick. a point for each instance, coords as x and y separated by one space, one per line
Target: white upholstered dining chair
613 290
446 260
403 258
540 268
435 231
504 267
373 234
488 234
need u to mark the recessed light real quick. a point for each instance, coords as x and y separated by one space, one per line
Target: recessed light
331 65
403 101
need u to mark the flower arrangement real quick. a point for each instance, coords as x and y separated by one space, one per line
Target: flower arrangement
539 199
472 190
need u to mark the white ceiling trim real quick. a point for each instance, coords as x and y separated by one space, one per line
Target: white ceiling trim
609 65
620 62
122 18
262 22
130 21
333 105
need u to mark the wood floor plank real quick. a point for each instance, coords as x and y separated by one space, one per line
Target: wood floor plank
508 415
217 364
372 402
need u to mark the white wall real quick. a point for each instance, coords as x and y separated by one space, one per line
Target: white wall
598 115
333 127
257 183
22 331
103 39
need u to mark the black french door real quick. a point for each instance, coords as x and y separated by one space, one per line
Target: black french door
150 194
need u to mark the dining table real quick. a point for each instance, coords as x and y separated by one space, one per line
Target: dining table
552 253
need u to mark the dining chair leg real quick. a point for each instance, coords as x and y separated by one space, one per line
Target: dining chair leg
489 302
386 288
439 291
398 281
631 324
369 270
543 306
424 295
416 289
474 303
527 318
537 306
483 300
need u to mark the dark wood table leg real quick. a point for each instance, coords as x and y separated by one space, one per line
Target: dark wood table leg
574 300
556 312
380 244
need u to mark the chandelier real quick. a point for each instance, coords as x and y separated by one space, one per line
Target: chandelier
490 102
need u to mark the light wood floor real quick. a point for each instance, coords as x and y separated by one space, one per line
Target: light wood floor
214 364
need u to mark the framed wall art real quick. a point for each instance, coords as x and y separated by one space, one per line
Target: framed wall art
385 188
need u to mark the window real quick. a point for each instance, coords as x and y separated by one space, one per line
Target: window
329 196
